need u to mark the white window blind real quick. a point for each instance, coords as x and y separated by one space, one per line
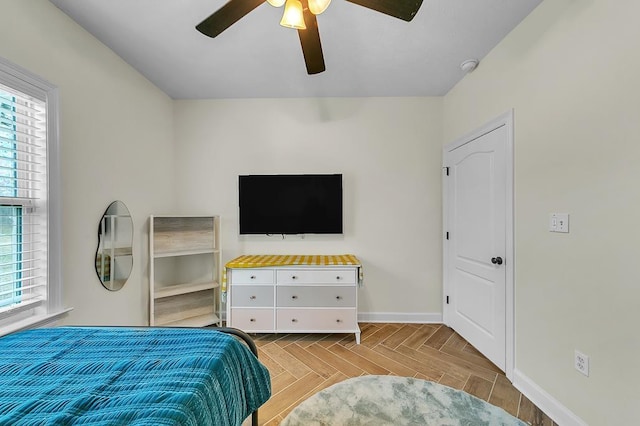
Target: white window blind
30 206
23 201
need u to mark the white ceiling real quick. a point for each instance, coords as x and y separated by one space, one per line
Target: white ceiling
366 53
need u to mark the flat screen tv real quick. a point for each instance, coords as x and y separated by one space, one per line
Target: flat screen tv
290 204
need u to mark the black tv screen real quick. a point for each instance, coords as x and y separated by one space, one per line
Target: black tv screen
290 204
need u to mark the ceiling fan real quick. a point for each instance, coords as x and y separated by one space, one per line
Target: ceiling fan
301 15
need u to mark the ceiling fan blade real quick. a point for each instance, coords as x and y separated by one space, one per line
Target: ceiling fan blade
226 16
310 42
401 9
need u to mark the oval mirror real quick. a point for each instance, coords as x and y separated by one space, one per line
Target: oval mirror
114 256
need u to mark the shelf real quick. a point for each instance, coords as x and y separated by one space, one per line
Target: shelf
177 289
117 251
197 321
185 287
177 234
185 253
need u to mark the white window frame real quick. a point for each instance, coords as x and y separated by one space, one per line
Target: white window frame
20 79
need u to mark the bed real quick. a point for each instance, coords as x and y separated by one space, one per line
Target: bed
130 376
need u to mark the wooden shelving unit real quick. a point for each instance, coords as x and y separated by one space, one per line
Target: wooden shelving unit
185 271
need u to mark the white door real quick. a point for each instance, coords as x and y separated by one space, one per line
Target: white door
478 249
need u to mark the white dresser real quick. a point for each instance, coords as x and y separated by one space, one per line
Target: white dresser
294 299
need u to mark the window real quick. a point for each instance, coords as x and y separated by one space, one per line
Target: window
30 288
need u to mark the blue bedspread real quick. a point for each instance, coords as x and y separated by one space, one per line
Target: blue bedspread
128 376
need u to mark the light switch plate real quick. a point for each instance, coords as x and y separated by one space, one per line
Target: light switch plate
559 222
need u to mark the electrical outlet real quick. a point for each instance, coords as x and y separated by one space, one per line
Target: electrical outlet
559 222
581 363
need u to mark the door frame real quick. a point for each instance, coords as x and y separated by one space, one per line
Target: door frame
503 120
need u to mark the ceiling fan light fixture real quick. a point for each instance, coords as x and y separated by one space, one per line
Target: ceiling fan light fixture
318 6
301 15
292 16
276 3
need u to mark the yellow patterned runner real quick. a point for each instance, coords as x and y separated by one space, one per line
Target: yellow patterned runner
266 260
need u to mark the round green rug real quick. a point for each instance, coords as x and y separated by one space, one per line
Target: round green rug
390 400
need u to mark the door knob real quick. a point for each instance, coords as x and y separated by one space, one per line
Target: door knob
496 260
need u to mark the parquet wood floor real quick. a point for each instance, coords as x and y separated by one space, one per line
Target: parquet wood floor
303 364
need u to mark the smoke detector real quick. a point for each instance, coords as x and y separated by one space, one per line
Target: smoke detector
469 65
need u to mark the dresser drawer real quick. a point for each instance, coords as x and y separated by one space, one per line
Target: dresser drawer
251 276
316 320
259 319
316 276
251 296
311 296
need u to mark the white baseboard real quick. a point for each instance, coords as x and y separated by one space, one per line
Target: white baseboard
551 406
397 317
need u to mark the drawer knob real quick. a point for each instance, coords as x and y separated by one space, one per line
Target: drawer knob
294 320
294 297
338 320
252 297
338 278
252 320
293 277
253 277
338 297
